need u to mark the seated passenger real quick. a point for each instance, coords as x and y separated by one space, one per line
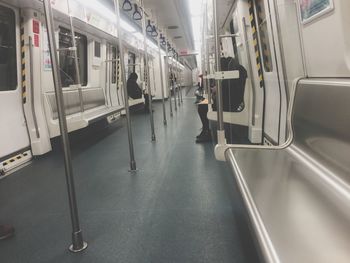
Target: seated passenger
205 135
134 90
232 94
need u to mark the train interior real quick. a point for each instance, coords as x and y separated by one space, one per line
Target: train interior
174 131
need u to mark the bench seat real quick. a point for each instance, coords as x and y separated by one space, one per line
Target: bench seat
298 196
299 215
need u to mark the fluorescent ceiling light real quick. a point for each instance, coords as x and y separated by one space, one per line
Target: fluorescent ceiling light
106 13
196 10
103 11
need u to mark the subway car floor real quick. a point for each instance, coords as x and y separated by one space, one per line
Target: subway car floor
181 205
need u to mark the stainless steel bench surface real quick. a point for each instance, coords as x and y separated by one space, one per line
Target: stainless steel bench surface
298 198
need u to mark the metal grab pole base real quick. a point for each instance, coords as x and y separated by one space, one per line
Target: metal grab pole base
221 137
133 166
165 122
153 137
78 243
77 236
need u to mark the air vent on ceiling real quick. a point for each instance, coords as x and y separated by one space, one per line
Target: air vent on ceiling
177 37
173 27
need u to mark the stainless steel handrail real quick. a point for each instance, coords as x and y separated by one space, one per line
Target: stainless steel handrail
247 47
32 95
168 79
220 113
123 78
147 73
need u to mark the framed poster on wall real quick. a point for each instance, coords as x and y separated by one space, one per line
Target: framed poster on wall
311 9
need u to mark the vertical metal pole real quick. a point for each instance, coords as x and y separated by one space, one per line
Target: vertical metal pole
208 72
168 78
250 67
147 72
221 131
76 62
173 78
178 80
78 243
181 84
161 80
125 91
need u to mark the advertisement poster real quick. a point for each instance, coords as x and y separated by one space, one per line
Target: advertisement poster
46 51
311 8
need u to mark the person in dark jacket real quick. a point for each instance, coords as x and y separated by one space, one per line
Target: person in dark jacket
232 94
134 90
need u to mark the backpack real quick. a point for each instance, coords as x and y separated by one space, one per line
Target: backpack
232 89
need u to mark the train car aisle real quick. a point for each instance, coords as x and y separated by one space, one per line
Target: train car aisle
181 206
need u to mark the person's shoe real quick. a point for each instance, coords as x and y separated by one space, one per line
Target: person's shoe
6 231
205 137
202 132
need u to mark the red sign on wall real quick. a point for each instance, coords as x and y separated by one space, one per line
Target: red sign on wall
36 28
36 40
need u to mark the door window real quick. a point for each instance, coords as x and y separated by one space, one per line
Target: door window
67 67
8 60
314 8
132 62
261 11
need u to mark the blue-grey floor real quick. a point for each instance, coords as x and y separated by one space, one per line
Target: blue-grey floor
181 206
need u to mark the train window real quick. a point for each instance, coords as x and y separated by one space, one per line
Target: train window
311 9
67 66
8 60
264 35
97 49
131 62
114 65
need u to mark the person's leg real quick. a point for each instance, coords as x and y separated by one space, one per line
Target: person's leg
203 111
146 102
205 135
6 231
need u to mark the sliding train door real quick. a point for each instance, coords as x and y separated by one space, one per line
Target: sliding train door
13 130
272 73
112 89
